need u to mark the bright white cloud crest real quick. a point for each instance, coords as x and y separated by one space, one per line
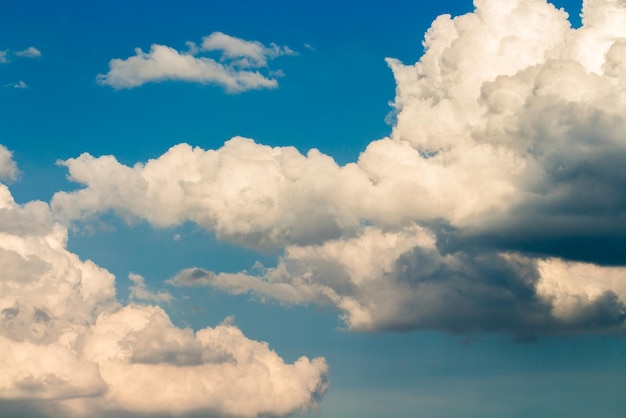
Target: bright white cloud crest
237 71
508 148
67 343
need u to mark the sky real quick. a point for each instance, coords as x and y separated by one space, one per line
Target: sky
328 209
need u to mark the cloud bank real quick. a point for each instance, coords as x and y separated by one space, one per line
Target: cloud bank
236 71
69 348
498 203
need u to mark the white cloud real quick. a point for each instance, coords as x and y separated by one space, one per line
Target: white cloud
237 71
399 280
217 370
30 52
570 287
139 291
8 168
5 58
248 53
250 193
68 347
508 146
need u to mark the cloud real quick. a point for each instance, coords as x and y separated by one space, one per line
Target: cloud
5 58
216 370
253 194
8 168
69 346
139 291
248 53
19 85
30 52
506 158
237 70
400 280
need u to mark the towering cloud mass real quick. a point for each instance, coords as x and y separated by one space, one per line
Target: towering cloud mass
236 71
70 347
497 203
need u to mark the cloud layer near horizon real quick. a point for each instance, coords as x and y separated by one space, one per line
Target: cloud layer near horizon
68 347
498 202
236 71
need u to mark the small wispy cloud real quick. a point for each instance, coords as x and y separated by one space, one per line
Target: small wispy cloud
245 53
7 54
237 70
30 52
19 85
6 57
139 291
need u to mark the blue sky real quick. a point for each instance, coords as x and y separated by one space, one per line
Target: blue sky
453 246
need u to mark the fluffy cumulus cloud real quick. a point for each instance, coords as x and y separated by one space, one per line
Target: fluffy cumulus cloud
497 203
237 70
253 194
69 348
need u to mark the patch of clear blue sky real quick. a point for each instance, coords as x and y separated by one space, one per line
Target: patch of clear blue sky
334 98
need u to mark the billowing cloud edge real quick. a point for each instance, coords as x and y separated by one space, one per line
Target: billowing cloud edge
69 346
